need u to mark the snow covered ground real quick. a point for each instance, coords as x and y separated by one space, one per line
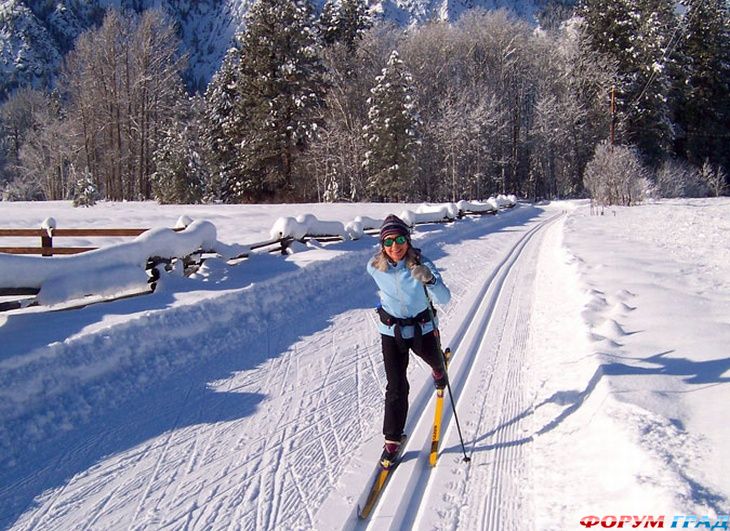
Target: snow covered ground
590 375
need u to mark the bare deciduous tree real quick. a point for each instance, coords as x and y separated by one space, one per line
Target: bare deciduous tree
18 117
123 81
46 156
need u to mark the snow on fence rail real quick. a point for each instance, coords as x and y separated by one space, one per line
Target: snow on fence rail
118 268
46 236
132 268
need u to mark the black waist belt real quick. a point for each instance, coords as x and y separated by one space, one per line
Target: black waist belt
399 322
388 320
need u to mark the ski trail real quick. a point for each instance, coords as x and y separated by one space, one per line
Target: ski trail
155 471
501 507
262 445
490 326
495 433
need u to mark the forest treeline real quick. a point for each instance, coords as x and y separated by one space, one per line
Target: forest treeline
623 98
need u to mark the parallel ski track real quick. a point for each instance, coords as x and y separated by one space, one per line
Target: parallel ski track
411 490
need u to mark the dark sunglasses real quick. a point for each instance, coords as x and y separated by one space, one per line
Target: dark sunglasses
400 240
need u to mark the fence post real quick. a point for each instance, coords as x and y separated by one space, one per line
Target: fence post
47 242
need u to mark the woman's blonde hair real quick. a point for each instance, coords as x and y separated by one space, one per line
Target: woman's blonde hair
381 261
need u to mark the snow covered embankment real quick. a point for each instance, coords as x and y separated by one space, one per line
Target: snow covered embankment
655 278
105 368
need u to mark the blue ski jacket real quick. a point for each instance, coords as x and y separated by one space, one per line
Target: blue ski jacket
402 296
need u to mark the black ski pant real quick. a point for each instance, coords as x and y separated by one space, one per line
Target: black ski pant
395 356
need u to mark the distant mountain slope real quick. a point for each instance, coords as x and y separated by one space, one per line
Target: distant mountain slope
36 34
29 54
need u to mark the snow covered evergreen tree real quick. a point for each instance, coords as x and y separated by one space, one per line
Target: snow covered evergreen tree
181 171
178 177
279 95
705 99
85 191
328 21
344 21
222 121
651 124
636 37
392 134
331 192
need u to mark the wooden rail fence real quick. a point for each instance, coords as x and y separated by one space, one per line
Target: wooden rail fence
47 248
47 236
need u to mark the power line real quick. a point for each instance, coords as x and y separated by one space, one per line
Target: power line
670 48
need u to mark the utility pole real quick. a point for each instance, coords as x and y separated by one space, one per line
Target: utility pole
613 115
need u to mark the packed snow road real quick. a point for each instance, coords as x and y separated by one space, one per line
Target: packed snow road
269 427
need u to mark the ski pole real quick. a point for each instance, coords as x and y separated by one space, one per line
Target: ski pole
466 459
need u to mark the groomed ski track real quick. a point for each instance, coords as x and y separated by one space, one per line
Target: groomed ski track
487 372
279 427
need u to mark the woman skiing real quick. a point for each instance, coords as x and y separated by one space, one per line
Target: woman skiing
401 272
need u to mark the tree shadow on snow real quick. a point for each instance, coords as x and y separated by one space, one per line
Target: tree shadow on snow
134 426
693 372
183 398
705 373
22 333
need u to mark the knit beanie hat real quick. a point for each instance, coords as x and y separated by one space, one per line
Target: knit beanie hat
394 226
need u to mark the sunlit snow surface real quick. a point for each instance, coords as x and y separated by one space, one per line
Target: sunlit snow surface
591 374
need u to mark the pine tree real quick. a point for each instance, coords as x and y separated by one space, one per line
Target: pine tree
344 22
222 121
85 190
180 170
650 119
328 22
705 101
392 134
635 36
178 176
279 95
